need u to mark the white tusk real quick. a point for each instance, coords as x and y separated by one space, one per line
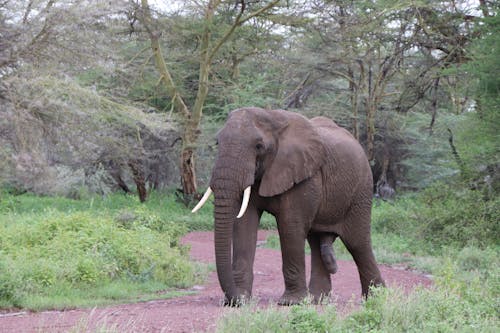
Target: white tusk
244 203
203 200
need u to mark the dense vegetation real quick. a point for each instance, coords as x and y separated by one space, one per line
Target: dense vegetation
101 98
58 252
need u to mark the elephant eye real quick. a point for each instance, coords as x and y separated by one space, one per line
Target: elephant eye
259 146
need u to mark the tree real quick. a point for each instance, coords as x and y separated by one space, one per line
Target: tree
50 124
208 50
478 140
60 35
60 137
374 58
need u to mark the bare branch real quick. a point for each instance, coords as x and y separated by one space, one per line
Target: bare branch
28 11
160 61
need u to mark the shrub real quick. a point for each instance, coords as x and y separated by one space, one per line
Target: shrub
80 249
307 319
441 216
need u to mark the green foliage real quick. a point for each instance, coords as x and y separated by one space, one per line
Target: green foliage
425 310
253 320
441 216
56 248
273 242
64 139
298 318
484 50
307 319
256 89
458 303
427 156
478 137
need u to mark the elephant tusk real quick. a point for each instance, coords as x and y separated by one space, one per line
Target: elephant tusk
244 203
203 200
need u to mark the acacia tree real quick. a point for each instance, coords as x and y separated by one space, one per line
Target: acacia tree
381 57
208 50
55 35
366 46
46 115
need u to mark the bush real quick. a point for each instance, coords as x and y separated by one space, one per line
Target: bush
425 310
307 319
48 250
441 216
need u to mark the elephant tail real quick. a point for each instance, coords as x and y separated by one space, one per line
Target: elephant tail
327 254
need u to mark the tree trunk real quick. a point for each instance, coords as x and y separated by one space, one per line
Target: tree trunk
370 130
434 105
192 123
235 67
192 118
353 89
188 176
370 115
456 155
139 179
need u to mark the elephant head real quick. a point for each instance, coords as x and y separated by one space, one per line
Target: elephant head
260 153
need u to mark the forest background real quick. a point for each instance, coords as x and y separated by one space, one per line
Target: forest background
127 95
98 98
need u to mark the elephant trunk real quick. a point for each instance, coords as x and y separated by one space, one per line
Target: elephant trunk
225 216
231 176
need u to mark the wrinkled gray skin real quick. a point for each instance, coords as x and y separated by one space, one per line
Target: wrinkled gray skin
313 176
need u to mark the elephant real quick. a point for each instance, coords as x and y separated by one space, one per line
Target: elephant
313 177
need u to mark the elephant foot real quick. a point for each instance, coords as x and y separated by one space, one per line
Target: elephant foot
320 288
375 283
292 299
236 301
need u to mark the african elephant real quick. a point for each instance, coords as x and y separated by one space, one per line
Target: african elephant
313 176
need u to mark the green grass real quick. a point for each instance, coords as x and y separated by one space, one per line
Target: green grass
59 253
299 318
464 299
163 205
452 234
116 292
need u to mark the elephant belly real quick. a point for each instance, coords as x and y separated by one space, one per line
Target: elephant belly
327 222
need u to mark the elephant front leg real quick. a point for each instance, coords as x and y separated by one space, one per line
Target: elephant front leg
244 245
292 242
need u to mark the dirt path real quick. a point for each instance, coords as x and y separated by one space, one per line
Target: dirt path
199 312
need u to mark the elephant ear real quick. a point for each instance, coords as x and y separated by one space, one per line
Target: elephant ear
300 154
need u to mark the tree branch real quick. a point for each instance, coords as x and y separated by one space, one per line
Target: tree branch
160 61
237 22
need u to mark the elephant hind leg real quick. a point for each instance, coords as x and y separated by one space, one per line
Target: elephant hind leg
358 243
